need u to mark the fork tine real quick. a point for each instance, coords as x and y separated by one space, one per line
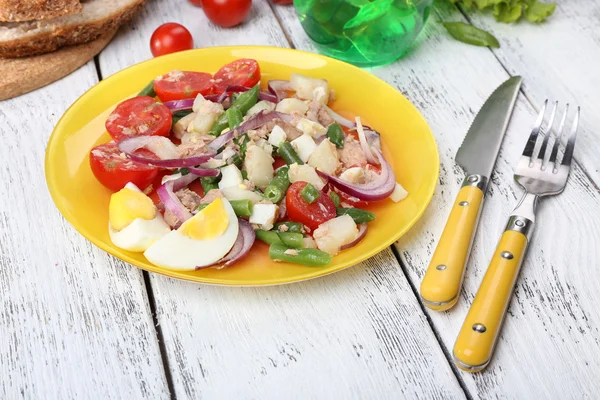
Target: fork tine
571 143
559 135
528 151
542 153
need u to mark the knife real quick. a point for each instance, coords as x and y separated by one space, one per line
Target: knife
477 156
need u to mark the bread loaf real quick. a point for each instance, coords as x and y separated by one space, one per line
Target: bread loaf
19 39
30 10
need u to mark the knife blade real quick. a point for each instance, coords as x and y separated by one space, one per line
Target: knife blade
477 156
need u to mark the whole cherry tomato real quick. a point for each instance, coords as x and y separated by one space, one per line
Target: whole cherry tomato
226 13
170 38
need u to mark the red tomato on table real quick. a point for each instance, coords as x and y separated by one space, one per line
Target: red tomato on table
179 85
242 72
311 215
114 170
226 13
170 38
139 116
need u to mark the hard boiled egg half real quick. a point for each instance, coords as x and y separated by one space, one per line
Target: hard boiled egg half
134 223
200 241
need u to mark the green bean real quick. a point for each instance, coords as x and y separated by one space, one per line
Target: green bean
469 34
335 198
277 188
291 227
234 117
294 240
209 183
178 115
269 237
246 100
309 193
359 216
289 155
237 160
244 174
242 141
335 134
148 90
221 123
282 171
242 208
309 257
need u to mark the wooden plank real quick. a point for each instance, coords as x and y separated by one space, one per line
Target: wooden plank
75 322
357 334
564 68
551 332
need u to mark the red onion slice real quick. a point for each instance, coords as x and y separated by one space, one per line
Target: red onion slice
217 98
279 87
171 201
255 122
362 231
363 142
203 171
183 181
241 247
168 156
178 105
378 189
339 119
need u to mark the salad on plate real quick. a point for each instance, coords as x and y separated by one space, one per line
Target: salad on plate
202 165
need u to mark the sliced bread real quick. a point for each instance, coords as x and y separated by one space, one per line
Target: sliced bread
19 39
30 10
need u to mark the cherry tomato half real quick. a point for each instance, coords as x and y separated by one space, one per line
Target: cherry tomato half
226 13
309 214
178 85
114 171
139 116
242 72
170 38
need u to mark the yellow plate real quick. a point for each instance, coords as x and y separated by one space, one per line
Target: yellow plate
409 146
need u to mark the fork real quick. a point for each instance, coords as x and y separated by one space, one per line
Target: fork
540 174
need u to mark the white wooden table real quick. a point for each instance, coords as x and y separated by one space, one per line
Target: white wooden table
76 323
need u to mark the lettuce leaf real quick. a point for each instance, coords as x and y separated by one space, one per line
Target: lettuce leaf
508 11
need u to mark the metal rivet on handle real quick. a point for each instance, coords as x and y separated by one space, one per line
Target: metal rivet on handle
507 255
519 223
440 267
463 203
473 179
479 328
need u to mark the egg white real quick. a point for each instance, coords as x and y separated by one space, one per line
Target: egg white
141 233
179 252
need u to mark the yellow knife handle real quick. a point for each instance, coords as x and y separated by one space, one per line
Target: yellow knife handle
477 337
442 281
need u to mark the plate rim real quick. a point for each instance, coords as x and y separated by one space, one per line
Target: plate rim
52 142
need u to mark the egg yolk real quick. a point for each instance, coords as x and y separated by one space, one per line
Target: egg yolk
209 223
126 205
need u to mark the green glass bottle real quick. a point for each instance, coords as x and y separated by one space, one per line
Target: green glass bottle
363 32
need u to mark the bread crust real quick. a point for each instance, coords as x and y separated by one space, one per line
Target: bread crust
71 34
32 10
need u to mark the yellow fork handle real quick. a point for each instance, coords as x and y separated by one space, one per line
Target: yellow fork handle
442 281
477 337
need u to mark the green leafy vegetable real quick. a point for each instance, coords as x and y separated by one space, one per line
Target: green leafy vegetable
512 10
505 11
469 34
